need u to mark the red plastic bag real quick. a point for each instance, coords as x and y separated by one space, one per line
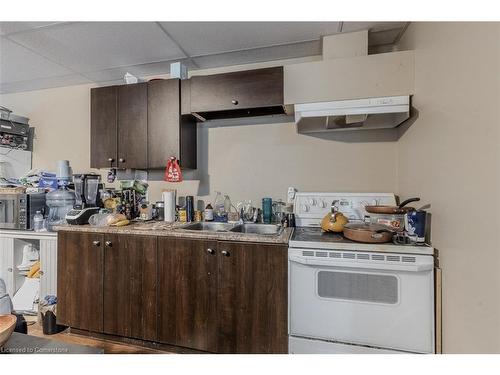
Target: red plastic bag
173 171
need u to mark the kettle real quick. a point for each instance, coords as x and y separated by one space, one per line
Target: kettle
334 221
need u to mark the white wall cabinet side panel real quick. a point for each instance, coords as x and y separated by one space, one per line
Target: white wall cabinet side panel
7 263
48 266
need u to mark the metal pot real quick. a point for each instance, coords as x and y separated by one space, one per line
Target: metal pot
392 210
368 233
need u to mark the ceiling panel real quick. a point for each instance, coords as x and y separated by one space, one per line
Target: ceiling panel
91 46
201 38
260 55
19 64
15 27
43 83
372 26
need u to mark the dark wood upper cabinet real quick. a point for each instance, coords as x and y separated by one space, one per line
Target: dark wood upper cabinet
133 126
104 126
169 133
80 280
187 290
252 298
129 287
237 94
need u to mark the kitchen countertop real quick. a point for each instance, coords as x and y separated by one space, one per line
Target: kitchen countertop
162 229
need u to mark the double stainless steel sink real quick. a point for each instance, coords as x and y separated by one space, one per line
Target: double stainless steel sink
252 228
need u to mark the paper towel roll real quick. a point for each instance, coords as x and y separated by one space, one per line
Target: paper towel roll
169 201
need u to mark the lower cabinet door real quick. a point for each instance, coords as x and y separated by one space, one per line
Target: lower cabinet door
79 280
187 277
130 286
252 298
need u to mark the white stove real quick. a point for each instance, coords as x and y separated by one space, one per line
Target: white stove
348 297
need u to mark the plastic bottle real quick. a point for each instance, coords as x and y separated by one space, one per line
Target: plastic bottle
38 222
219 208
209 213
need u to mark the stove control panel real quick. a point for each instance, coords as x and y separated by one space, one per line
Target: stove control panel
310 208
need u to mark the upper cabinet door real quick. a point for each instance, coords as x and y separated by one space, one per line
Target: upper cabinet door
133 126
104 127
163 121
241 93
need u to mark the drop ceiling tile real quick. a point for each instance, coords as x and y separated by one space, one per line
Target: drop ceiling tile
19 64
202 38
43 83
93 46
260 55
15 27
372 26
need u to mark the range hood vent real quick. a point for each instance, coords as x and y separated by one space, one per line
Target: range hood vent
356 114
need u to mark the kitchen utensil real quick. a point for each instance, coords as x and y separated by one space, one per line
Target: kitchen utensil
7 325
334 221
391 210
367 233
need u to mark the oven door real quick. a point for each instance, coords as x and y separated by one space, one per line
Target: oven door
381 302
9 211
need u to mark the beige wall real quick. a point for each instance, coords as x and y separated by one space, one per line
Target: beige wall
450 157
244 161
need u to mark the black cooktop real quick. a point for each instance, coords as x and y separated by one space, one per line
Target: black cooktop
310 234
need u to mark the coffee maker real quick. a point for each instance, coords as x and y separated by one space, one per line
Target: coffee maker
87 198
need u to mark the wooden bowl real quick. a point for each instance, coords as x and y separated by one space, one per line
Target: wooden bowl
7 325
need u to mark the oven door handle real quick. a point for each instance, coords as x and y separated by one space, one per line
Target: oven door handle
351 264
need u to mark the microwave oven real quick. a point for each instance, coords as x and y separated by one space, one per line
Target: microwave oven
17 210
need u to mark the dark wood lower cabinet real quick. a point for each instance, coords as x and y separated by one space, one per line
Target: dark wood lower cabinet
252 298
187 287
79 280
206 295
130 274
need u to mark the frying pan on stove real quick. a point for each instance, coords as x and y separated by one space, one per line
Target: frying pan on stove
392 210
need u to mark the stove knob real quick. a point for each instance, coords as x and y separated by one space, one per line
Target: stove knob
322 204
304 208
312 201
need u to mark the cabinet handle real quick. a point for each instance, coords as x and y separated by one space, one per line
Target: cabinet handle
225 253
41 273
235 102
121 160
111 160
108 243
211 251
97 243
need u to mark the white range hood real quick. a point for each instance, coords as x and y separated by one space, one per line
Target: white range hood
356 114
